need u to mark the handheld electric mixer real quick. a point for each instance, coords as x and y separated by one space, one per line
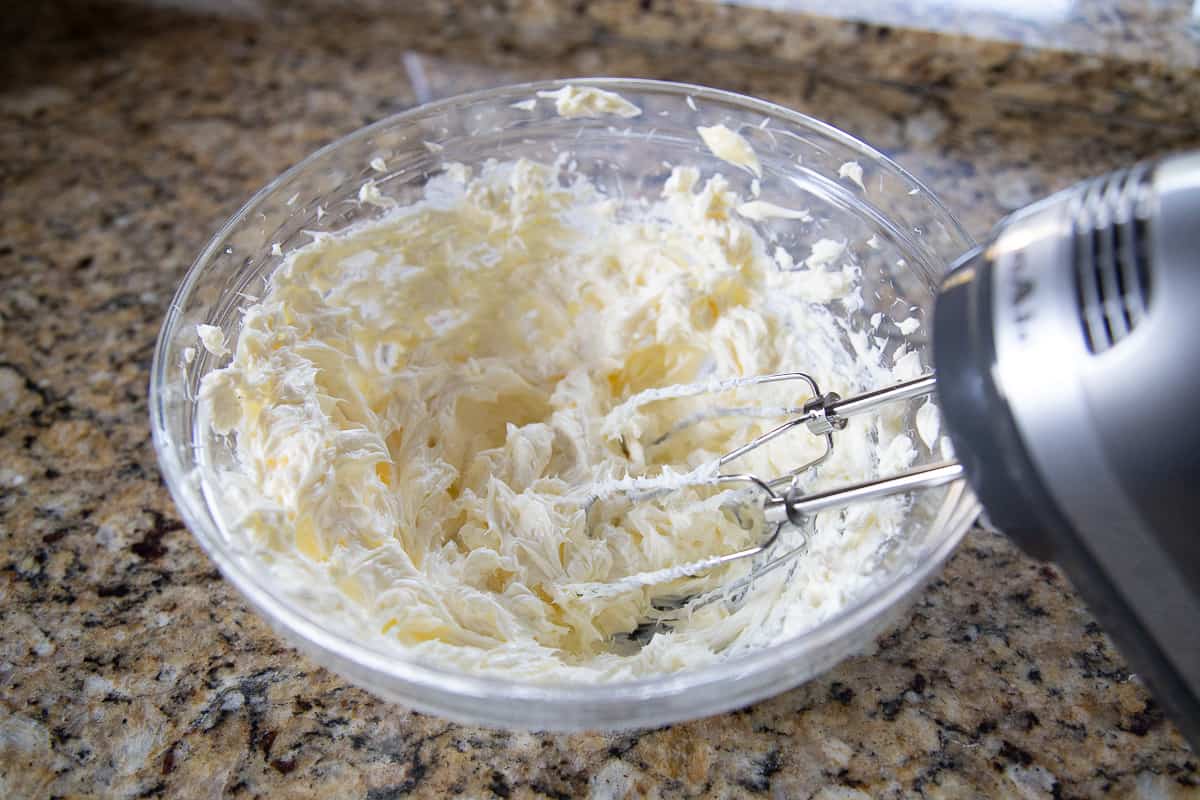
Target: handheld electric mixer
1067 376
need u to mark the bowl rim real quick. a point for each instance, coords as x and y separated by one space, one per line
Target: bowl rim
335 649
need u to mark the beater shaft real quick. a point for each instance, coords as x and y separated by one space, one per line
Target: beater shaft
794 506
829 412
869 401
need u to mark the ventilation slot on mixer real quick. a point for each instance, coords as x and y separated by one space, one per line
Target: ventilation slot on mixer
1112 241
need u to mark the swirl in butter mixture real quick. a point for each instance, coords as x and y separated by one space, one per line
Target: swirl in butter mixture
423 406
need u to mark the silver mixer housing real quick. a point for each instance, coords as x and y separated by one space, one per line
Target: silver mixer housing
1068 376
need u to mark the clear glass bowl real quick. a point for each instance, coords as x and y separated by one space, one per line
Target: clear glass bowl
915 239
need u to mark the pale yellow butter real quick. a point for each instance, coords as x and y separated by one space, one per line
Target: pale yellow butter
730 147
588 101
424 405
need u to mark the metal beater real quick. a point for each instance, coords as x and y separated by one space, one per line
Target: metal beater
822 415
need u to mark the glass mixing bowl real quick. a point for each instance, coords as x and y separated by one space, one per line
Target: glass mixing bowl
914 239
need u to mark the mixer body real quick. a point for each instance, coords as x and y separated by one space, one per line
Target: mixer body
1068 377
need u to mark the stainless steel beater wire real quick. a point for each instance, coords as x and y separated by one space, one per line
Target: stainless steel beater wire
720 413
729 590
752 479
793 477
848 407
759 441
786 376
725 558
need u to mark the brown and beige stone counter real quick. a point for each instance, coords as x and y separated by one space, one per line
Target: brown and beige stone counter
1133 59
128 668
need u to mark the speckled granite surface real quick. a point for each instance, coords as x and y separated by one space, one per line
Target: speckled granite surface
129 668
1130 58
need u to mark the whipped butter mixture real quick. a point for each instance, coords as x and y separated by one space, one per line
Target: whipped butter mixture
433 412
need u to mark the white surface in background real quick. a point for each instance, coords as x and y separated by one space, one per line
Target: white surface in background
1024 10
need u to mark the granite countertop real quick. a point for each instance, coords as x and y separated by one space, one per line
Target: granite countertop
129 668
1124 58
